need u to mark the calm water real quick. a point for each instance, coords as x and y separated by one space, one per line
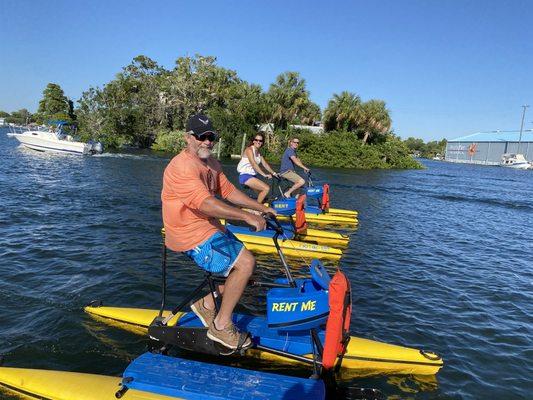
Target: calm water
442 260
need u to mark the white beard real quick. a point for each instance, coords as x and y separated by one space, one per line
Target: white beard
203 153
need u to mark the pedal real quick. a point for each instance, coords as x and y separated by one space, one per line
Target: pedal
226 351
157 321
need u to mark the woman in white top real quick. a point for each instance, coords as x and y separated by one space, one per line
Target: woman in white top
250 166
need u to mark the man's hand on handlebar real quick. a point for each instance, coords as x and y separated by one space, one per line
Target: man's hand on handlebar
273 223
270 210
256 221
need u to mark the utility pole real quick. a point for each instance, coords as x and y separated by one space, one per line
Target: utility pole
243 145
522 126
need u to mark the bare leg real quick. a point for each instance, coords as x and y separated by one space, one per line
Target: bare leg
208 298
235 284
259 187
294 187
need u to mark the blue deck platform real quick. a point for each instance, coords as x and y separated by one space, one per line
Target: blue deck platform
194 380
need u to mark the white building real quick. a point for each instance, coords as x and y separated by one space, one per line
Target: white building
317 130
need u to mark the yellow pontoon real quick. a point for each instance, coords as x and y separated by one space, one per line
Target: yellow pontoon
364 357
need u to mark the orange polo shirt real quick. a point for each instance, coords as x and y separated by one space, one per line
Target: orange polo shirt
187 182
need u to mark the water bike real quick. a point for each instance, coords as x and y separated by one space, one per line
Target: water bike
320 193
298 240
297 307
307 322
319 212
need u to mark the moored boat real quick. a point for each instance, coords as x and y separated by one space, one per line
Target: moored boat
515 160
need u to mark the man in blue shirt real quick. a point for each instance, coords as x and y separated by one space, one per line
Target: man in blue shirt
288 161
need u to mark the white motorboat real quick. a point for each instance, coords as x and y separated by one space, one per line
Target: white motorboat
515 160
44 138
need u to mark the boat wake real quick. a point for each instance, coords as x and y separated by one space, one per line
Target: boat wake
496 202
129 156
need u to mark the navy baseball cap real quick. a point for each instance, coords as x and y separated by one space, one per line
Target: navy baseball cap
198 124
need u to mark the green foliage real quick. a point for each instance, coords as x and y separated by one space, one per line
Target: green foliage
197 84
169 141
344 150
248 102
414 144
20 117
231 127
127 110
435 147
145 98
376 121
54 105
370 120
396 154
289 101
147 105
426 150
343 112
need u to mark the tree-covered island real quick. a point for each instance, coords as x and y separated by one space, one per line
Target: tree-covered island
147 105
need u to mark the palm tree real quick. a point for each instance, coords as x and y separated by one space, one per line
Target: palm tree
310 113
376 120
288 98
343 112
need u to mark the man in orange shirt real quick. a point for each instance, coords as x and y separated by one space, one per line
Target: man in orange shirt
191 214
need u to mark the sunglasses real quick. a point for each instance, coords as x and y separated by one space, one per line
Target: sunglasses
296 142
211 136
259 140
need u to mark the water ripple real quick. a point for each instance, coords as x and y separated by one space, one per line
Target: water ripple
441 260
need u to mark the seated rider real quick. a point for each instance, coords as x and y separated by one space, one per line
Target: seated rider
191 215
250 166
288 162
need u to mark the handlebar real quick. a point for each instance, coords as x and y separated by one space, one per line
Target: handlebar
309 178
273 223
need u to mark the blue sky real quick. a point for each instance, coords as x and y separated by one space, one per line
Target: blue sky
445 68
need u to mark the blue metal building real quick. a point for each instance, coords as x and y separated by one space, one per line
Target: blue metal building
488 147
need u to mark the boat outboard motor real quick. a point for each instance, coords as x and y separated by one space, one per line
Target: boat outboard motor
96 147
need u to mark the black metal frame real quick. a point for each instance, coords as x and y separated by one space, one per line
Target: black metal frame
280 179
275 184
